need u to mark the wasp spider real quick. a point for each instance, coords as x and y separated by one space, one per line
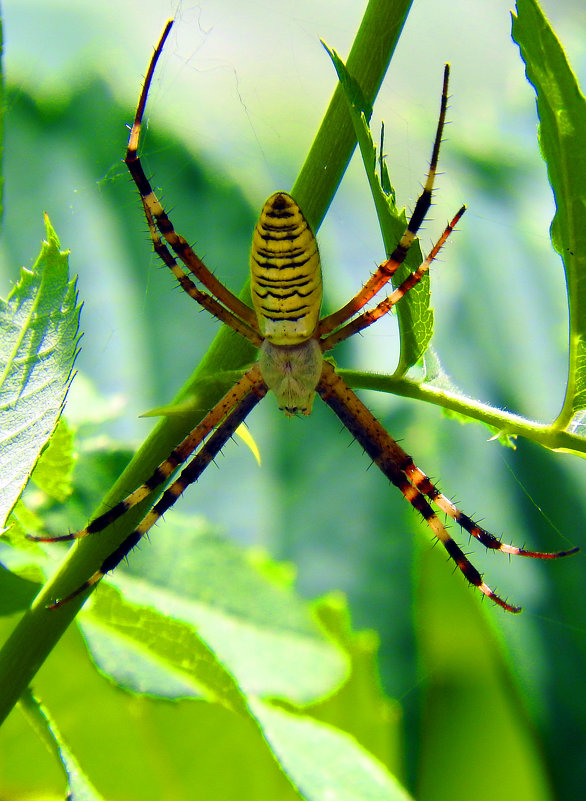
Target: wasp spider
286 327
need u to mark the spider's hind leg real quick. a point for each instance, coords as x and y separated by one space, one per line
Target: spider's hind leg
188 476
415 486
428 488
225 417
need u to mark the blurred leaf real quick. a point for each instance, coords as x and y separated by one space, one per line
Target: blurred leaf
162 635
79 787
470 701
562 132
99 462
343 771
39 325
142 747
134 747
360 707
155 641
53 471
260 632
16 593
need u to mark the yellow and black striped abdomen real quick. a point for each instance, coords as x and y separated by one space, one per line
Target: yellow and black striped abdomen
285 273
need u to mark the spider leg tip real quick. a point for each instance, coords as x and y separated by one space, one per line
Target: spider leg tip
507 606
570 552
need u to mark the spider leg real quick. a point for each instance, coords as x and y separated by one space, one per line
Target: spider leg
369 317
388 268
207 301
427 487
388 457
158 219
250 382
209 450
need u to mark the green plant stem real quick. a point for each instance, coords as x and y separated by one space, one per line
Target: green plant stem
40 629
550 436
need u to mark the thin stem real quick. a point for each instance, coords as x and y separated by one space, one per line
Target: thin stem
550 436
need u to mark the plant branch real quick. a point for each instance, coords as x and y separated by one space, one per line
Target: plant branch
548 435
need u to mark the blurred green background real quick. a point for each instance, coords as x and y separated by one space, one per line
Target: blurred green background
235 104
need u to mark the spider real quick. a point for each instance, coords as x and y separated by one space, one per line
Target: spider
286 327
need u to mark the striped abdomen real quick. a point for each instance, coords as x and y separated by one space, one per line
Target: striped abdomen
285 273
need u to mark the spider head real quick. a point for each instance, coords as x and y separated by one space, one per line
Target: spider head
292 373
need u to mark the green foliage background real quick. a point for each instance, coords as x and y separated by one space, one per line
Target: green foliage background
226 129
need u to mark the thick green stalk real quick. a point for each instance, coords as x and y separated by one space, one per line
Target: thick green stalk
40 629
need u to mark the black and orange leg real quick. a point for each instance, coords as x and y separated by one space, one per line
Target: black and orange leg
428 488
388 268
208 302
369 317
188 476
158 219
251 382
412 482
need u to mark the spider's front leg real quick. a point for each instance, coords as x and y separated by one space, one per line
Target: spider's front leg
388 268
369 317
160 224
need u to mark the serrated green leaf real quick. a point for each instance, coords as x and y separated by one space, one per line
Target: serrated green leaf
562 132
38 345
414 312
54 468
